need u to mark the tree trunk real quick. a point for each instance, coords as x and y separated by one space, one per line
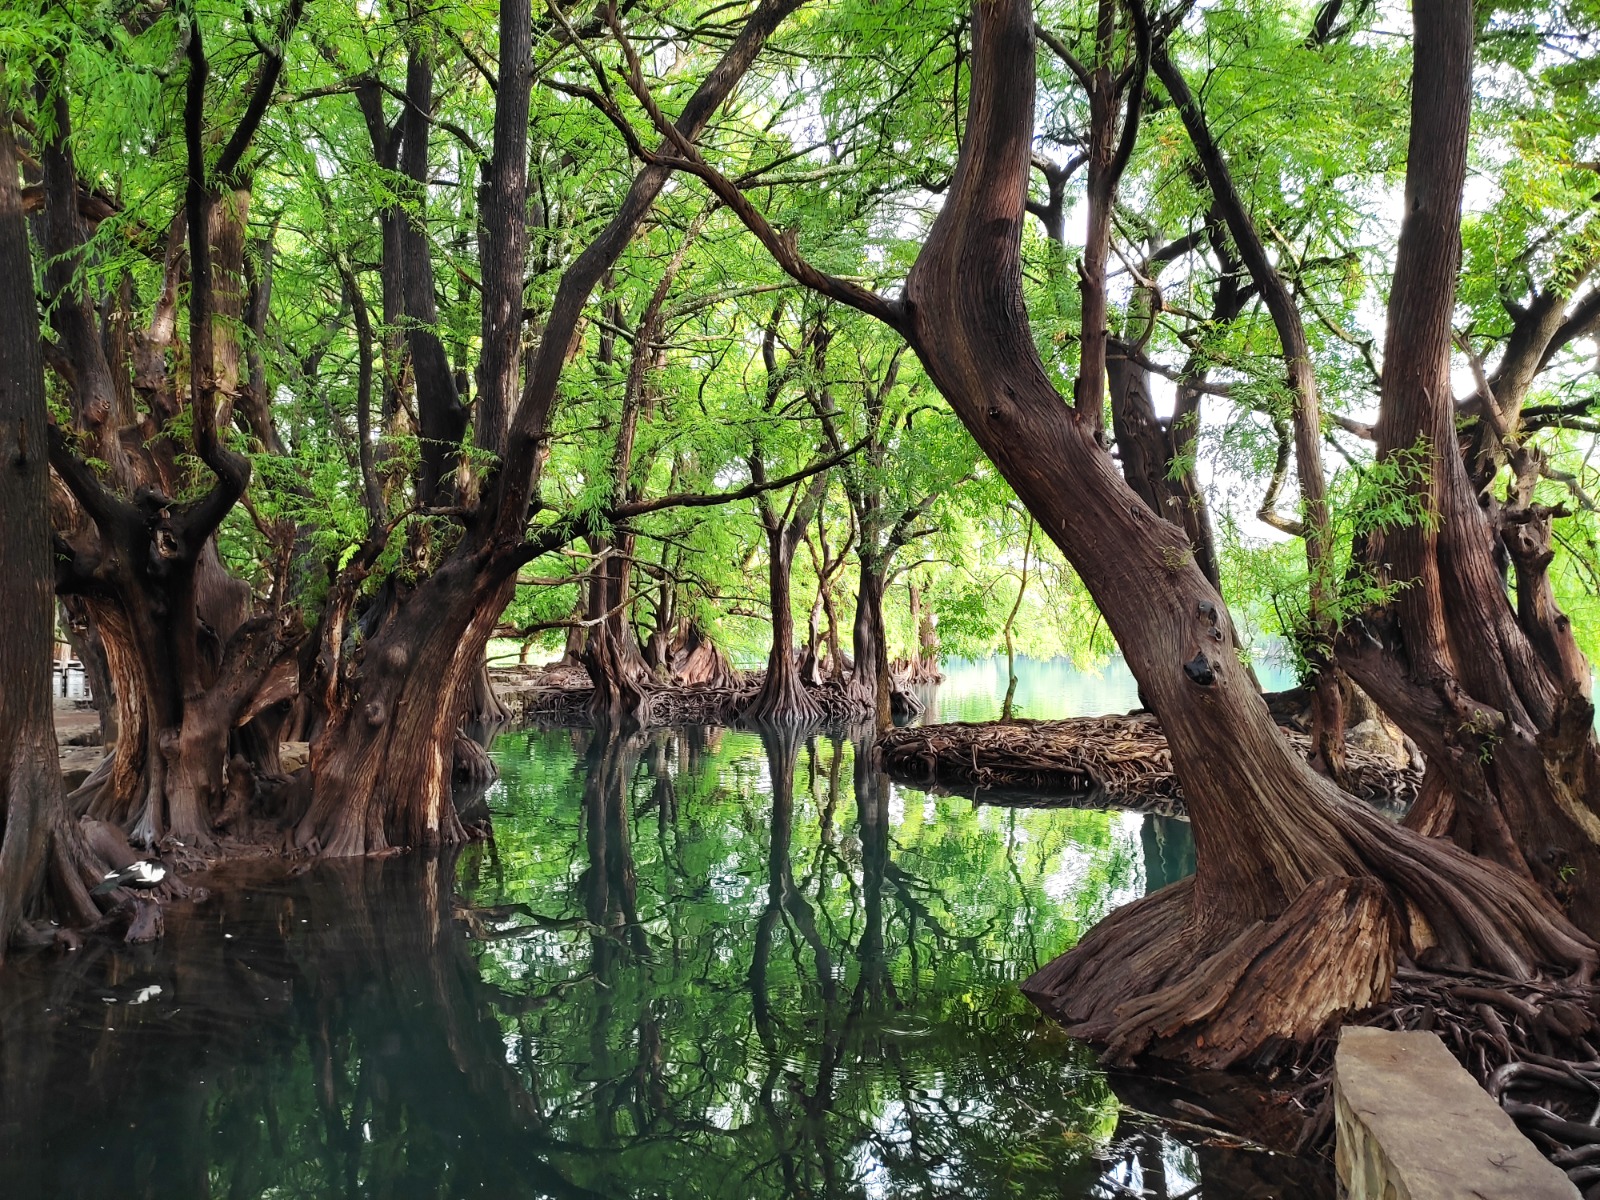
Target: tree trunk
45 866
1499 708
783 696
869 680
381 771
1151 451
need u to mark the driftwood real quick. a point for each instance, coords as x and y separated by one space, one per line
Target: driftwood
1116 761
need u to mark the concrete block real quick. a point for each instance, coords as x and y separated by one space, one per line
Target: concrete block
1411 1124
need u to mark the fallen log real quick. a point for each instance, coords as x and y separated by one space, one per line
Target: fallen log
1109 761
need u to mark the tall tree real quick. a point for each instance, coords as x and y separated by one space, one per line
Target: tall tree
1499 705
1302 897
42 854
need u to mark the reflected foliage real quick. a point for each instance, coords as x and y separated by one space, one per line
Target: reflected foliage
692 963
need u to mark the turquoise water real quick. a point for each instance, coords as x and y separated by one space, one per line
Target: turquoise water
692 963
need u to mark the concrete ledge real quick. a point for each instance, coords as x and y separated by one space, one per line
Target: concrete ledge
1411 1124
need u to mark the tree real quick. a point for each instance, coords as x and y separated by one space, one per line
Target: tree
45 865
1496 697
1302 898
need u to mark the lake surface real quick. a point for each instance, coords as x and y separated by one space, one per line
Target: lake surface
692 963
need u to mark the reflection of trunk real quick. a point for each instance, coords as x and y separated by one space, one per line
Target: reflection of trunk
609 883
872 816
1168 851
1291 918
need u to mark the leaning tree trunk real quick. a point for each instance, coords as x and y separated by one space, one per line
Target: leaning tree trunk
44 863
1302 897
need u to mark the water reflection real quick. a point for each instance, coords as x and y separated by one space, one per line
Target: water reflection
693 963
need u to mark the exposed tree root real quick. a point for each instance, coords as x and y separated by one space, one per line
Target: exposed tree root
1116 758
1158 977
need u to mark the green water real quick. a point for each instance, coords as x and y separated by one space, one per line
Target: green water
692 963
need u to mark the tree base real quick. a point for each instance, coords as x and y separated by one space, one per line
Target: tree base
1163 976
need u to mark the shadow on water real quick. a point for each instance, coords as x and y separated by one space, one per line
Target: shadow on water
692 963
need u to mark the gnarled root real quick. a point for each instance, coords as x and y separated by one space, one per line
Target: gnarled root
1332 951
1157 977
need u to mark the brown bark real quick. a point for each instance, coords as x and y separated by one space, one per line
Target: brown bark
1158 456
1497 705
35 832
783 696
381 770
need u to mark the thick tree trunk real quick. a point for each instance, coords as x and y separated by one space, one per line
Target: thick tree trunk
1498 707
35 832
381 771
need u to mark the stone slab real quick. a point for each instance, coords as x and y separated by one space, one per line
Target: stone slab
1411 1124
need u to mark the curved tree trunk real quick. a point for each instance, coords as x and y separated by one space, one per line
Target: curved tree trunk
1300 892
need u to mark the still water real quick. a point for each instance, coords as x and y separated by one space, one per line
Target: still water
692 963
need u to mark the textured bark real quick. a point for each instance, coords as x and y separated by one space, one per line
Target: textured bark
869 679
381 769
441 415
170 619
1498 705
34 828
1158 456
783 695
